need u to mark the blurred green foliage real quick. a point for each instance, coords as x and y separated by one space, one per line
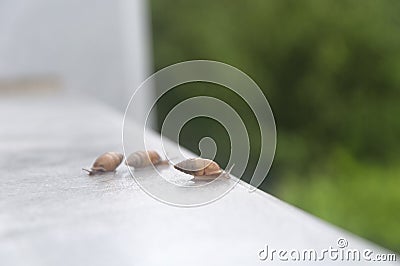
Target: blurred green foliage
331 72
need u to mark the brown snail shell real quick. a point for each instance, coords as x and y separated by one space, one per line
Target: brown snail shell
141 159
201 168
106 162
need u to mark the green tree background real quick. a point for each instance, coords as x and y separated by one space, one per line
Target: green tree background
331 72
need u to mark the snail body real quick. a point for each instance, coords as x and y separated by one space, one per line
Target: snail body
141 159
202 169
106 162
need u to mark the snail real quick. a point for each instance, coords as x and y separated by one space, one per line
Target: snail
106 162
141 159
202 169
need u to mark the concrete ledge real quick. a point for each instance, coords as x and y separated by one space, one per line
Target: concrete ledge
51 213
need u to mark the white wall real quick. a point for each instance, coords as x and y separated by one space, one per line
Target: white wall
97 47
